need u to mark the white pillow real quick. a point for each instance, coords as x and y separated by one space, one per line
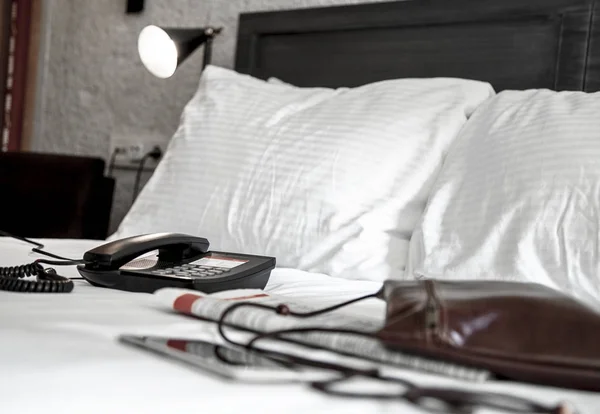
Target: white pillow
330 181
518 197
277 81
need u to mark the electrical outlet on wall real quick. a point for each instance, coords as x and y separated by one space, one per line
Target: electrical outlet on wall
129 148
130 152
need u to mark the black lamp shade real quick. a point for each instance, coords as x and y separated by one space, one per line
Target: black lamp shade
162 50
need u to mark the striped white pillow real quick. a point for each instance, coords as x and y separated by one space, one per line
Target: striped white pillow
518 197
325 180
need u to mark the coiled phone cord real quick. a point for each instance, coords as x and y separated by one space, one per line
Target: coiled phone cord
47 281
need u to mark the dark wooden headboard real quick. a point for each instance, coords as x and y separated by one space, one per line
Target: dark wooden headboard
513 44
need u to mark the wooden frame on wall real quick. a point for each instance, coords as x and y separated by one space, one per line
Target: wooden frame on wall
18 61
31 91
5 29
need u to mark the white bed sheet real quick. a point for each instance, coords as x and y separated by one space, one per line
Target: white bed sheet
58 353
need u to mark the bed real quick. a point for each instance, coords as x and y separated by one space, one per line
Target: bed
58 352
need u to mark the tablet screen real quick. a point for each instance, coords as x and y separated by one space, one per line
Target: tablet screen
239 364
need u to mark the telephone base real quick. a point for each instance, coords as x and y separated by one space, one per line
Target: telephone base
210 272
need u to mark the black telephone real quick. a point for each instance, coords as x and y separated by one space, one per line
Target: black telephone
152 261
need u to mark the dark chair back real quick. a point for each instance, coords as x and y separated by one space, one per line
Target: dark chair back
59 196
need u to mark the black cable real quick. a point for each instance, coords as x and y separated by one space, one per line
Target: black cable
417 395
37 249
47 280
155 153
111 164
61 262
284 310
25 239
138 176
309 329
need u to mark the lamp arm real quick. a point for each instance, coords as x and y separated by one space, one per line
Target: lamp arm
207 52
210 33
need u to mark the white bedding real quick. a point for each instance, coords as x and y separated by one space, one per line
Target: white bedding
518 196
325 180
58 354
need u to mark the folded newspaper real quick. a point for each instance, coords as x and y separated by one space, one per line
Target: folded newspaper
346 349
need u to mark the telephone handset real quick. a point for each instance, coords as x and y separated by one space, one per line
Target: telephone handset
169 245
152 261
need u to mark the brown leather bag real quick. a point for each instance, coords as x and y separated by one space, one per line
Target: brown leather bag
518 331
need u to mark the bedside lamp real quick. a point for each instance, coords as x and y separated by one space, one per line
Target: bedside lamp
162 50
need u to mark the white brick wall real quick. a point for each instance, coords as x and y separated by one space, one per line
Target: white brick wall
94 83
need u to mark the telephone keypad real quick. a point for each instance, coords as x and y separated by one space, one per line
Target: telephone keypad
191 270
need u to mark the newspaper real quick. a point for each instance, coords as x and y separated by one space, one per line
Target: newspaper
353 350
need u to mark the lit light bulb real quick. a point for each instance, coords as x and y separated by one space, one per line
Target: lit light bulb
157 51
